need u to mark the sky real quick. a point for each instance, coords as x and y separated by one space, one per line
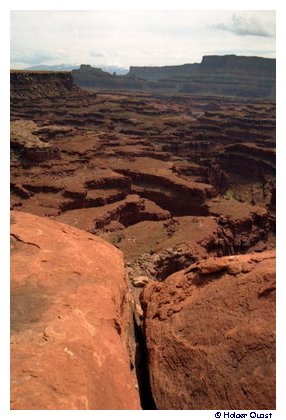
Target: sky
141 38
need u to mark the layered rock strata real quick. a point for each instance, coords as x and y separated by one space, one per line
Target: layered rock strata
228 76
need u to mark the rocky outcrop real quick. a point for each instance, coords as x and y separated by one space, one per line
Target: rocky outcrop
70 320
210 334
42 84
156 249
171 192
249 157
218 178
26 144
240 226
88 76
117 215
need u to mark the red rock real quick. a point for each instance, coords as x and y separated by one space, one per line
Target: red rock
242 225
210 334
70 320
128 211
27 144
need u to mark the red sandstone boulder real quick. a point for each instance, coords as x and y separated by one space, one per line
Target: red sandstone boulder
70 316
210 332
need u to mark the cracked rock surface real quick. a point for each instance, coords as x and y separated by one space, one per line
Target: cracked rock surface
210 334
71 327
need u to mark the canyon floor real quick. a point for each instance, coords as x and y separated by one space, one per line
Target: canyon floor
171 181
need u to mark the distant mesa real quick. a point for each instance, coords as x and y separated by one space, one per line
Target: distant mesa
256 65
228 75
156 73
91 77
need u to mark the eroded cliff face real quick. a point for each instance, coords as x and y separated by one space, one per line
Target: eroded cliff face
71 320
232 75
27 84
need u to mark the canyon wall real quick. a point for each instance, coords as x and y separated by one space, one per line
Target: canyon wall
174 182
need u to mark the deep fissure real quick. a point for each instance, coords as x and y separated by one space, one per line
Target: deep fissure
142 369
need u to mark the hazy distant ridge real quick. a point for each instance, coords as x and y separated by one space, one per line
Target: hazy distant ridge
228 75
70 67
155 73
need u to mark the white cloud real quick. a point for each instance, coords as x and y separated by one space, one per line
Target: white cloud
98 54
247 25
132 38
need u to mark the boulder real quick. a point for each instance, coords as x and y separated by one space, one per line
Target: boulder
140 281
70 320
210 335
